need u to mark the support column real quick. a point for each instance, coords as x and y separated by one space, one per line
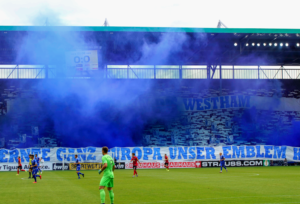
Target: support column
180 71
208 71
220 80
127 71
106 71
46 72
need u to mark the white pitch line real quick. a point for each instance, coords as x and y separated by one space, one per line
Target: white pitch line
170 201
277 203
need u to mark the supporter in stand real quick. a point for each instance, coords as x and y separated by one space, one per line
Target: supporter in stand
285 162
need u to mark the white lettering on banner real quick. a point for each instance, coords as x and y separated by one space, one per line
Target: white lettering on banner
155 154
182 164
145 165
157 165
205 164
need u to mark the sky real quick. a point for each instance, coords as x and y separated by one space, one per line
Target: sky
154 13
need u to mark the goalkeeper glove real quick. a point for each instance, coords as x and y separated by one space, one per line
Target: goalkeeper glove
99 172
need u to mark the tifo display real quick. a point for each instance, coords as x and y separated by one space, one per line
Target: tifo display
145 115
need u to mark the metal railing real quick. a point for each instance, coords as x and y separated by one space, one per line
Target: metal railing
26 73
159 73
201 73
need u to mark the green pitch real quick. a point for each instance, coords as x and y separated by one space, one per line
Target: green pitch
238 185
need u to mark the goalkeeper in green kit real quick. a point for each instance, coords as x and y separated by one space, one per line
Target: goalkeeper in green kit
108 167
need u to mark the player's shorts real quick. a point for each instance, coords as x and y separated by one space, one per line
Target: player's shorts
134 167
107 182
35 171
222 164
167 163
20 167
78 168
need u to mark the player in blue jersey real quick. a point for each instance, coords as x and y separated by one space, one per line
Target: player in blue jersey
77 163
34 167
38 163
222 162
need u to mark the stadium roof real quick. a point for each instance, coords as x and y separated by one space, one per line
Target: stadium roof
149 29
202 46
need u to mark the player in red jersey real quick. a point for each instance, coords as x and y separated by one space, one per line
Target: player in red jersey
166 162
135 160
19 166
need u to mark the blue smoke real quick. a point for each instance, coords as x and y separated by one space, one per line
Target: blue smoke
89 112
98 112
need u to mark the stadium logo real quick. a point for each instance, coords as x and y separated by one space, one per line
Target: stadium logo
120 165
59 166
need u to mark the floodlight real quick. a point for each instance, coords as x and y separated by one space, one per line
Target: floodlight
286 44
258 44
275 44
270 44
265 44
247 44
281 44
235 44
253 44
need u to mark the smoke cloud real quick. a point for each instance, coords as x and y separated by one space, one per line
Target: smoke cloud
96 111
88 112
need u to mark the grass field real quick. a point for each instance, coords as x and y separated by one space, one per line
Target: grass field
238 185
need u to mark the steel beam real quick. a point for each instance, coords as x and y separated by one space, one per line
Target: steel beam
17 67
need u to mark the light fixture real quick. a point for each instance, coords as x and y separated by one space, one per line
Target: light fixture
298 44
286 44
265 44
281 44
275 44
253 44
247 44
258 44
235 44
270 44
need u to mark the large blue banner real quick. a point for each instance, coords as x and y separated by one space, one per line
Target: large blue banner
151 154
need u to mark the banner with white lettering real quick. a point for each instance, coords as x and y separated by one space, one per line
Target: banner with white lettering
155 154
193 153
